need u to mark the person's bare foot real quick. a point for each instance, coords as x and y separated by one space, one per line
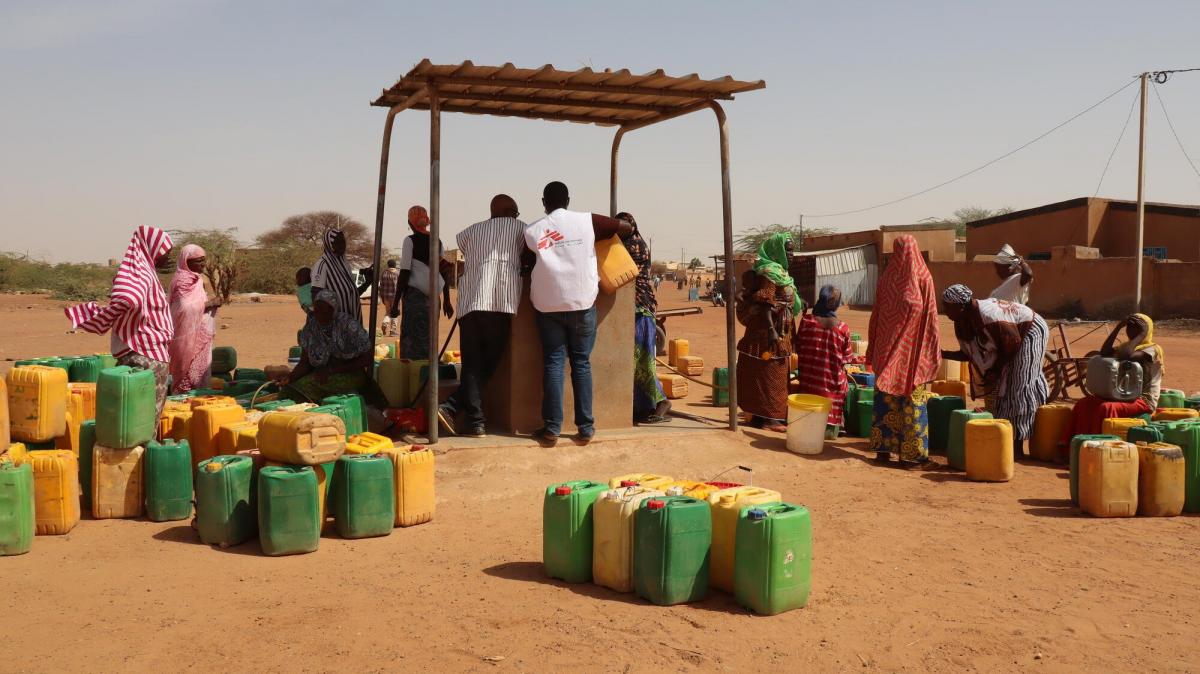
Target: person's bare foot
774 427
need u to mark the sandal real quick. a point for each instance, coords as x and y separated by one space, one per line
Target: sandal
883 457
919 465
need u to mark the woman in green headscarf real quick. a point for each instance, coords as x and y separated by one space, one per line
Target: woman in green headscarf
767 306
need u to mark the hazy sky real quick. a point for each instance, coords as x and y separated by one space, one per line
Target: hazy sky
204 113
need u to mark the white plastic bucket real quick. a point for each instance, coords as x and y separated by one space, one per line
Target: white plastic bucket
807 416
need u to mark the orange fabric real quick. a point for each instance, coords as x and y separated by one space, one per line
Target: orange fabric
903 345
418 219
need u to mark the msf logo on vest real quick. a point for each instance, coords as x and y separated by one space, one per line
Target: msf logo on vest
549 238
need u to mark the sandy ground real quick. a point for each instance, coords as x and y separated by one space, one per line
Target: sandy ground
912 571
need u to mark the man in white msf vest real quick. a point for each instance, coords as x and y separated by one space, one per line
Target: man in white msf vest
563 289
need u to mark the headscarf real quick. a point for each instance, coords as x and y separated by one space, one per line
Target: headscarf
418 219
772 263
1148 340
1007 256
334 275
137 306
343 339
191 349
957 294
828 301
903 345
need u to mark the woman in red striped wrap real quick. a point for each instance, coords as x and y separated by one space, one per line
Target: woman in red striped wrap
904 352
137 315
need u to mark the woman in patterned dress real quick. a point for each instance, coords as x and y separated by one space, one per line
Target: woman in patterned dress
1006 342
823 346
766 307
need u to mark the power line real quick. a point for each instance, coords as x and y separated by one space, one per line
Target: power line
1121 136
981 166
1170 124
1161 76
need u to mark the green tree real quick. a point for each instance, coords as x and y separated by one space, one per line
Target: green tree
310 228
695 263
221 248
970 214
750 240
272 269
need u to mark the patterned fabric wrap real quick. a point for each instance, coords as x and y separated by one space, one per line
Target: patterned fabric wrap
900 424
158 367
772 263
343 339
647 392
823 354
1022 386
904 346
332 273
762 386
957 294
638 250
418 219
310 389
414 325
137 310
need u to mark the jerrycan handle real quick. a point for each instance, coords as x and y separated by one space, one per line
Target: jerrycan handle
746 469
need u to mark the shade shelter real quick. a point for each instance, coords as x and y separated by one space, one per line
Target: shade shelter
606 98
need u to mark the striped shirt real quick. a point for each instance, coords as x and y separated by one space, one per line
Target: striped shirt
492 275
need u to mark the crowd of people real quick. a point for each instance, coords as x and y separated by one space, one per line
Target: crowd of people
1001 339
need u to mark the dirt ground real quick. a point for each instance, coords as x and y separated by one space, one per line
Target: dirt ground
912 571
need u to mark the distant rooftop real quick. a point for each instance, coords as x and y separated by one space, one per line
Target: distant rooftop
1186 210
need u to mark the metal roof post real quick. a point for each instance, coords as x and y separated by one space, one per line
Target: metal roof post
435 258
379 202
727 222
384 155
612 173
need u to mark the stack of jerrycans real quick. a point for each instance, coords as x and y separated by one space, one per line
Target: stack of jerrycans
291 494
126 419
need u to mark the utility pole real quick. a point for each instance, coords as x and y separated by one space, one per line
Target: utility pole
1141 193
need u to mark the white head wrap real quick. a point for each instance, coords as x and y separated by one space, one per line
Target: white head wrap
1007 256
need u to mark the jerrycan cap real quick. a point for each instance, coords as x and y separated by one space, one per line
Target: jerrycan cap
757 514
655 504
629 483
675 491
562 490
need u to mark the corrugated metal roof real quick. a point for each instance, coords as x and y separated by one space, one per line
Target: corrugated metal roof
583 96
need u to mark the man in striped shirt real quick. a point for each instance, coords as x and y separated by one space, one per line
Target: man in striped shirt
488 296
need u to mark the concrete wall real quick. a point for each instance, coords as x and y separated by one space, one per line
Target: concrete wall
1176 288
937 241
1104 288
1036 233
514 395
937 244
1117 233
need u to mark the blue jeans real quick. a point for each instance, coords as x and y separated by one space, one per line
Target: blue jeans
567 334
